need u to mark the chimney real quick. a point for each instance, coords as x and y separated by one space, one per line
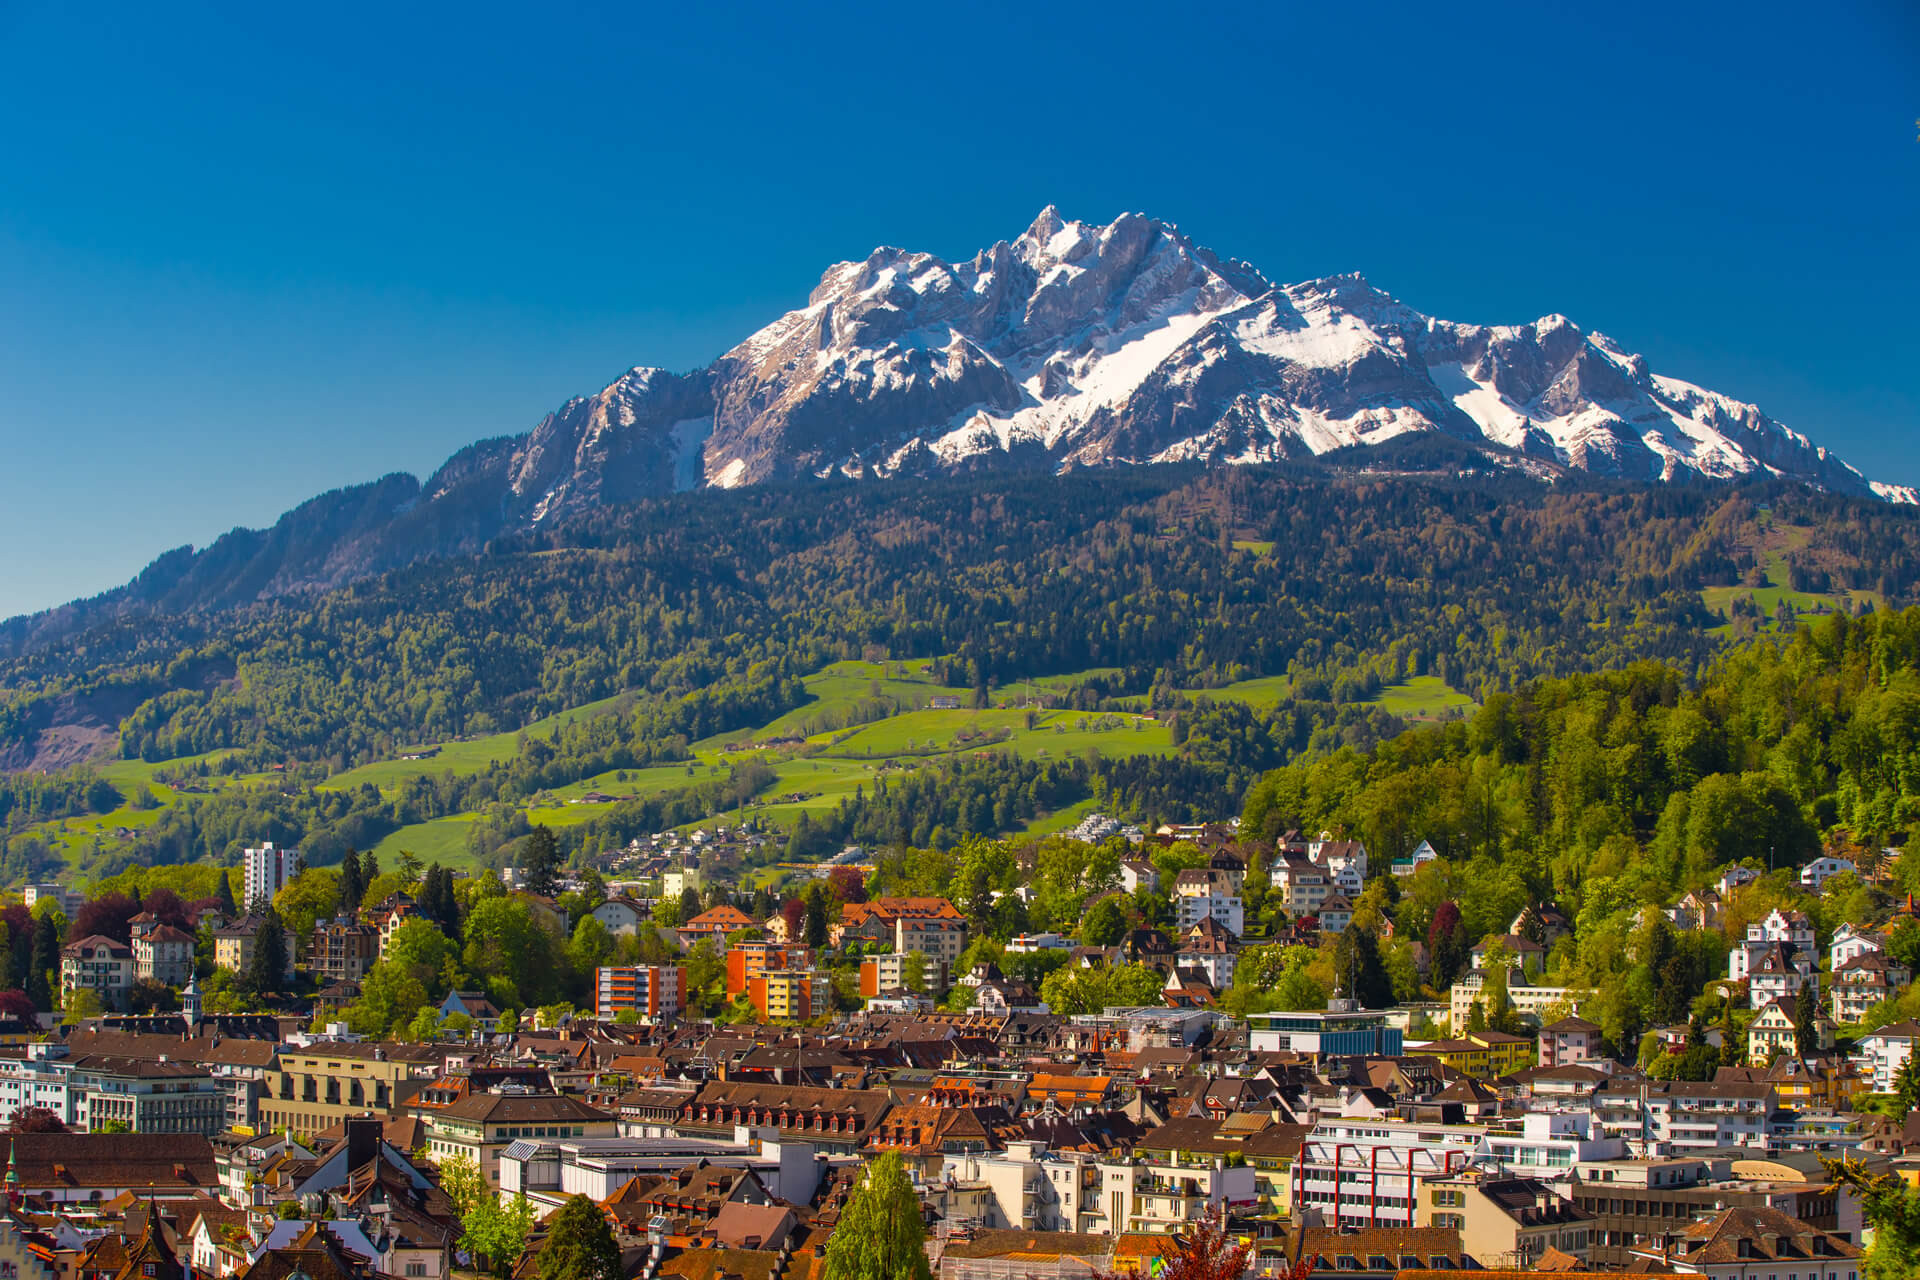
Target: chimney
363 1140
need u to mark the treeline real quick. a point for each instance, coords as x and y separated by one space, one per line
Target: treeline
1640 777
1176 579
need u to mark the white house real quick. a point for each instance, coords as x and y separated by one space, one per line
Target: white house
1850 943
1733 877
1789 927
1883 1051
620 915
1200 894
1815 874
1422 854
1137 874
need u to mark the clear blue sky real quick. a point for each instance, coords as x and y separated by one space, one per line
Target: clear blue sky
252 252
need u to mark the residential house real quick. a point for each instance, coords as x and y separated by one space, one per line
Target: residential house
1568 1041
1815 874
1137 874
1208 948
1422 854
1881 1053
1772 1032
1744 1244
162 953
1300 885
715 925
1863 981
1850 942
621 916
1201 893
98 964
798 995
342 950
1523 954
1336 914
233 946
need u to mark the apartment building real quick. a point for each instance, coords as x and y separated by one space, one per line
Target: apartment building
1675 1117
1364 1171
652 991
1202 893
1505 1223
798 995
481 1125
342 950
97 964
265 871
161 952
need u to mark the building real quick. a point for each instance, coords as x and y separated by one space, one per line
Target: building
621 915
1505 1223
1336 914
1862 981
1675 1117
677 880
745 959
715 925
97 964
1208 948
390 915
342 950
889 972
874 921
1342 1029
1635 1202
1367 1171
1568 1041
162 1096
1484 1055
1301 885
1422 854
83 1169
798 995
1791 929
317 1087
265 872
1535 1004
1744 1244
233 946
1523 954
482 1125
68 900
161 952
1881 1053
1815 874
652 991
1345 862
1849 942
940 940
1203 893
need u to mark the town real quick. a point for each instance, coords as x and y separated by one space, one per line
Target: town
1080 1051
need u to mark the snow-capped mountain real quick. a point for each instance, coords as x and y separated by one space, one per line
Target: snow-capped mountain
1085 345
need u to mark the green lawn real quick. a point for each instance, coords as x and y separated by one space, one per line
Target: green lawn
1257 548
470 756
1423 698
444 840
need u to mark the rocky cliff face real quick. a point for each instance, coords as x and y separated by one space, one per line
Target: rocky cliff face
1082 345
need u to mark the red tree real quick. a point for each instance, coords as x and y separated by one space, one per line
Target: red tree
35 1120
846 884
794 913
106 915
15 1002
1207 1254
167 907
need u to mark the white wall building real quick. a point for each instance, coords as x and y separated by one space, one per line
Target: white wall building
265 872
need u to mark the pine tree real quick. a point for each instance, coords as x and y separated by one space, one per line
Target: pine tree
46 955
580 1245
369 871
816 922
267 969
351 888
880 1235
224 885
1805 1010
540 862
